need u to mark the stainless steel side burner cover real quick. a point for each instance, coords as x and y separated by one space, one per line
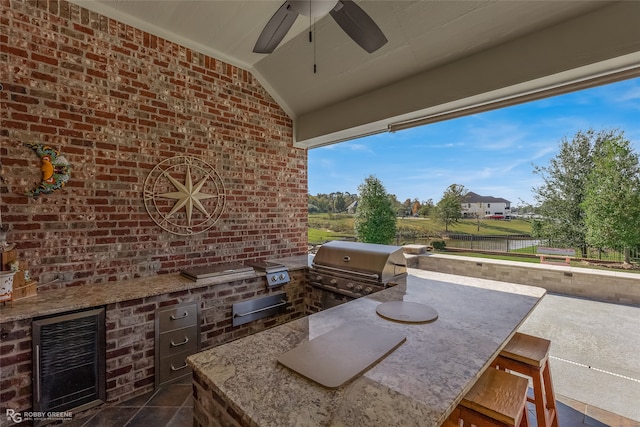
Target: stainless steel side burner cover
277 274
216 270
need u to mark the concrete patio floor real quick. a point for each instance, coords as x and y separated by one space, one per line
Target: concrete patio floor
595 354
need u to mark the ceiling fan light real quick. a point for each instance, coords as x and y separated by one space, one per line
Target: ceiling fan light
313 8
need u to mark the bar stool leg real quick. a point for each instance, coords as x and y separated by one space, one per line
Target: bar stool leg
539 397
550 395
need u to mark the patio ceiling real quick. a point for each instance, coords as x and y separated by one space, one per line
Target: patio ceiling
443 57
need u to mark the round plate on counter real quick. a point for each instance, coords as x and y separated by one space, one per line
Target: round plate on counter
406 311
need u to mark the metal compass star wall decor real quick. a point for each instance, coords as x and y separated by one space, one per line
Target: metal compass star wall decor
184 195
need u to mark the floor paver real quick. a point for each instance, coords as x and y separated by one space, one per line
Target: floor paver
595 351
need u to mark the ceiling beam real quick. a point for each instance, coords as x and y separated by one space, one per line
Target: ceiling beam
603 42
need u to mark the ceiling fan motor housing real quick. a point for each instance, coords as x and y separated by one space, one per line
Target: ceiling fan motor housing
313 8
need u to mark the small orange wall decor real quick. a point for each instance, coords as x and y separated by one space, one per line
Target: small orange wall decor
56 170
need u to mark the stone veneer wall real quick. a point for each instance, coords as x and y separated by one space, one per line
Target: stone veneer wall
116 101
608 286
130 340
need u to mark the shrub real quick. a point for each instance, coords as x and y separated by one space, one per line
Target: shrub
438 244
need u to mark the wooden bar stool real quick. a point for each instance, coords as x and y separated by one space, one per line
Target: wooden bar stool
496 399
453 420
529 355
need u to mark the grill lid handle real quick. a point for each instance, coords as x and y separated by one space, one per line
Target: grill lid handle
325 268
346 258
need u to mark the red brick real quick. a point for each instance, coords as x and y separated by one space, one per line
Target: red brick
45 59
66 96
24 99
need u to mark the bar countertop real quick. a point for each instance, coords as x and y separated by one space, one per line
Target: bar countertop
418 384
80 297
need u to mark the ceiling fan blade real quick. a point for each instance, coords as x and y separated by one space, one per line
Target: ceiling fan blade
358 25
275 30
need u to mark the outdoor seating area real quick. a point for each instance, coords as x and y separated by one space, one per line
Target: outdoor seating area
587 389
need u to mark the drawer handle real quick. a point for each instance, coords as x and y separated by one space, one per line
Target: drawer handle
179 367
179 317
173 344
281 303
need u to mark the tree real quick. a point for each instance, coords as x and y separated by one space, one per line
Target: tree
339 203
406 208
448 211
415 207
563 192
612 197
318 203
375 217
427 208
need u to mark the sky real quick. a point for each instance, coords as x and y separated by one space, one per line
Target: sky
491 153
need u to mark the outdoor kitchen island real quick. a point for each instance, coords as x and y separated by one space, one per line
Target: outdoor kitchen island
419 383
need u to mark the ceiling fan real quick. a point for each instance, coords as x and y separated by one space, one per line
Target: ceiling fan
349 16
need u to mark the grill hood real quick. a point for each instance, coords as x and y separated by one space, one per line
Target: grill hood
377 262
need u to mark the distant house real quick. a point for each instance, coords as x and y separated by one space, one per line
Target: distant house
477 206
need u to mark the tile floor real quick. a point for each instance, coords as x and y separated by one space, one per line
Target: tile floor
172 406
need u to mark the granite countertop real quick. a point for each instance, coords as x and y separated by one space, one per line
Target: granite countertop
80 297
418 384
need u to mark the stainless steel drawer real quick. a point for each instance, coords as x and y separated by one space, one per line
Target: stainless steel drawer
174 366
177 336
171 318
177 341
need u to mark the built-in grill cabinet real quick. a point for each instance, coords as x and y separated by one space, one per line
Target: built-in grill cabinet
69 361
357 269
177 337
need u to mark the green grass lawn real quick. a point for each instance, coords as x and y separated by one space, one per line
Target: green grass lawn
323 227
326 227
320 236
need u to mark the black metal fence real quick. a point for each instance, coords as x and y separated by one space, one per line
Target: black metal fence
522 244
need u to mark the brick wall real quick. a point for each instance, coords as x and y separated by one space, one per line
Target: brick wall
212 410
130 327
116 101
15 361
130 336
319 299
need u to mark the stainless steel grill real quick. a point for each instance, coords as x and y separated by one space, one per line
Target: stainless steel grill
356 269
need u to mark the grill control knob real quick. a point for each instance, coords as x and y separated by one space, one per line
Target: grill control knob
333 282
349 285
274 278
358 288
367 290
318 278
281 277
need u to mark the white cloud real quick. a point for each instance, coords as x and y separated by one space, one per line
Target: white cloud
633 94
491 153
358 147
